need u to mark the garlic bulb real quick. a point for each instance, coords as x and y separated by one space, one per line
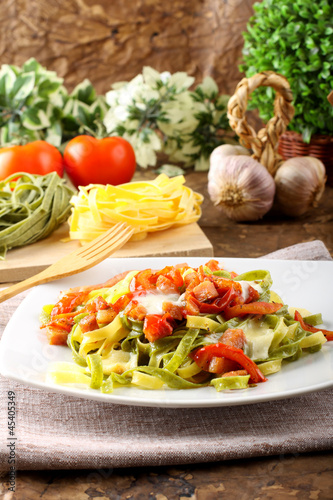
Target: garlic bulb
220 152
241 187
300 183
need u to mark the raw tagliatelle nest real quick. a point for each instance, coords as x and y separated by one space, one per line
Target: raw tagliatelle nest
146 205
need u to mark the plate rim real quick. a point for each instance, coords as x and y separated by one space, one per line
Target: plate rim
92 395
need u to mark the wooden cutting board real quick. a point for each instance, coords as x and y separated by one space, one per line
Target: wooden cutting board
24 262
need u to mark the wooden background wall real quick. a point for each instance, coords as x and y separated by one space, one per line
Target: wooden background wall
111 40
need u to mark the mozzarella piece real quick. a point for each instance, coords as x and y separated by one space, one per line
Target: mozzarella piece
153 302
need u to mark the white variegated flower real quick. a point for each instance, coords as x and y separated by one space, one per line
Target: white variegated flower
151 76
120 113
181 81
209 87
132 125
145 144
188 147
156 111
118 85
146 94
145 155
165 76
109 121
154 140
202 164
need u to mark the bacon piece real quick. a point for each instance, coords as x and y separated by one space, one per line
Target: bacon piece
88 323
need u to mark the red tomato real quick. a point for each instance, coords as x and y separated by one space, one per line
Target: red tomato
38 157
156 327
99 161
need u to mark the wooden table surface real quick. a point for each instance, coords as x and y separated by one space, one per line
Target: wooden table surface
298 476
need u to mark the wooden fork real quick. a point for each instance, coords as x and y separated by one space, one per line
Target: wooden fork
81 259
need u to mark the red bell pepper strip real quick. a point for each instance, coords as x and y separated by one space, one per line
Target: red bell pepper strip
251 308
205 354
61 324
234 337
68 302
309 328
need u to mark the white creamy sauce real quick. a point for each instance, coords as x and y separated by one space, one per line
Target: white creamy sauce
258 339
153 302
246 286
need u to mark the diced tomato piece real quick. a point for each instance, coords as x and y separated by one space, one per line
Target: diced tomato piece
191 280
68 302
205 291
100 303
173 274
235 373
233 274
163 272
183 266
56 336
233 336
176 312
253 295
97 304
165 285
213 265
122 302
156 327
224 284
176 276
62 323
105 315
88 323
218 305
137 311
252 308
309 328
143 281
221 365
204 355
191 305
202 275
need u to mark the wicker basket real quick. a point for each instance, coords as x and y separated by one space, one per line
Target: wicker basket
321 146
263 143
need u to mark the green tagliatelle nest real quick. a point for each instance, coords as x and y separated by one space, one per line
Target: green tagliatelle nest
31 208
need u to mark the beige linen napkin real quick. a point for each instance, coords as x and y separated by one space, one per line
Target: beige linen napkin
55 431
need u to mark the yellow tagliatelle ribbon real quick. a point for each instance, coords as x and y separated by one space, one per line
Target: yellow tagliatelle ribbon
146 205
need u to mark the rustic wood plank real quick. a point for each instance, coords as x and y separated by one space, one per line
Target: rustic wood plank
183 241
299 477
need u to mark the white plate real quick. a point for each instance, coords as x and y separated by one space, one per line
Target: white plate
25 354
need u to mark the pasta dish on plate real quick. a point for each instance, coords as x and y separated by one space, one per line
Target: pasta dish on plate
178 327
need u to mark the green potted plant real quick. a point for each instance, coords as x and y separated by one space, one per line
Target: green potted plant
295 39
